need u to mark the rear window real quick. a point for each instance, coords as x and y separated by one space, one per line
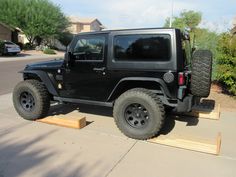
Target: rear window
144 47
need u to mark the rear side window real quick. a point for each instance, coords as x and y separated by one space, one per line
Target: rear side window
142 47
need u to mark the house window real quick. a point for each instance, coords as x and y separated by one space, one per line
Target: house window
142 47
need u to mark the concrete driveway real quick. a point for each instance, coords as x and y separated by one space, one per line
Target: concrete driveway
30 55
100 150
11 65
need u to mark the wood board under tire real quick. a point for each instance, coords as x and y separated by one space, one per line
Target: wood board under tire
205 114
71 120
204 110
193 144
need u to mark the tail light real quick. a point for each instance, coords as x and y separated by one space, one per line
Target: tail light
181 79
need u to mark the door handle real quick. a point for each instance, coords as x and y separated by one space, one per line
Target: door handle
99 69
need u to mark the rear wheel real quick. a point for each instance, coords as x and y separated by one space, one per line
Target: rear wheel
201 73
139 113
31 99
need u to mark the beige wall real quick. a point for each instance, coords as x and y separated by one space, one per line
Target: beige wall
86 28
5 33
22 38
95 26
76 28
73 28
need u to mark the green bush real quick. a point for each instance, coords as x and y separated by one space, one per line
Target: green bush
1 46
226 61
28 46
49 51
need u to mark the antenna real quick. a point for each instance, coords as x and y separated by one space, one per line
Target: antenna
171 17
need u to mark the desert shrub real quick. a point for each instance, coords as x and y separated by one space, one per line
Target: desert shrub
1 42
28 46
49 51
1 46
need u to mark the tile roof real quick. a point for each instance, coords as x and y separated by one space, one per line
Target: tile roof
75 19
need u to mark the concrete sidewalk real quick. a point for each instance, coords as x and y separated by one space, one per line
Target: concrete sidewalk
100 150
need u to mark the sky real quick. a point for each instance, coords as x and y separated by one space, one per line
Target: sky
217 15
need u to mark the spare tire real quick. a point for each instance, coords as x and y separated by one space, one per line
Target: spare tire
201 73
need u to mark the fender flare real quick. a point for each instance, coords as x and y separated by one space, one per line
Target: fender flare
162 84
47 80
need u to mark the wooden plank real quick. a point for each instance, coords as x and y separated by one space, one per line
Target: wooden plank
203 113
70 120
218 143
204 146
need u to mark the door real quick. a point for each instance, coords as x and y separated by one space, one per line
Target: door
87 76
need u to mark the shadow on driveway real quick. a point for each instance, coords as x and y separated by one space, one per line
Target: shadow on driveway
67 108
169 124
24 155
15 56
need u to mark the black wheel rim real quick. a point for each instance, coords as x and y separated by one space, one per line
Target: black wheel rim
27 101
136 115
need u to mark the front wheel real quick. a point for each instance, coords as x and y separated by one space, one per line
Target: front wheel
31 99
139 113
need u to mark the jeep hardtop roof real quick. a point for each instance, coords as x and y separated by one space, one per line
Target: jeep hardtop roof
106 31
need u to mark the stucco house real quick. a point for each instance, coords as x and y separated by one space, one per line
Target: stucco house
8 33
84 24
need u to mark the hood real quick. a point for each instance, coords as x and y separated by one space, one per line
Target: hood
52 64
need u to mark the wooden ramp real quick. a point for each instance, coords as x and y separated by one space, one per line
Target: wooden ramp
71 120
199 145
205 113
205 109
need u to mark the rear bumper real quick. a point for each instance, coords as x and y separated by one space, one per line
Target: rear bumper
13 50
185 105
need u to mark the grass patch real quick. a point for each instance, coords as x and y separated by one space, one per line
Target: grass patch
49 51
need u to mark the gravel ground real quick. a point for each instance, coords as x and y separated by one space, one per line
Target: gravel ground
227 102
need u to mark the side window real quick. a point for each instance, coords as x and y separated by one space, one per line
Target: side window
142 47
89 48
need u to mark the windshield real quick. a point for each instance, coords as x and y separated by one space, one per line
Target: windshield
10 43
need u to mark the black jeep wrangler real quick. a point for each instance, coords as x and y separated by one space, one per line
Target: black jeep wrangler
141 73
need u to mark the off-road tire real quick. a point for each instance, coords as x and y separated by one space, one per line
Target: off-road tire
153 105
201 73
40 95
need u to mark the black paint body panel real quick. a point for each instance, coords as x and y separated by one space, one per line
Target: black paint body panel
100 80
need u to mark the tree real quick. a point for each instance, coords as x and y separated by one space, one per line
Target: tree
187 19
205 39
226 61
36 18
